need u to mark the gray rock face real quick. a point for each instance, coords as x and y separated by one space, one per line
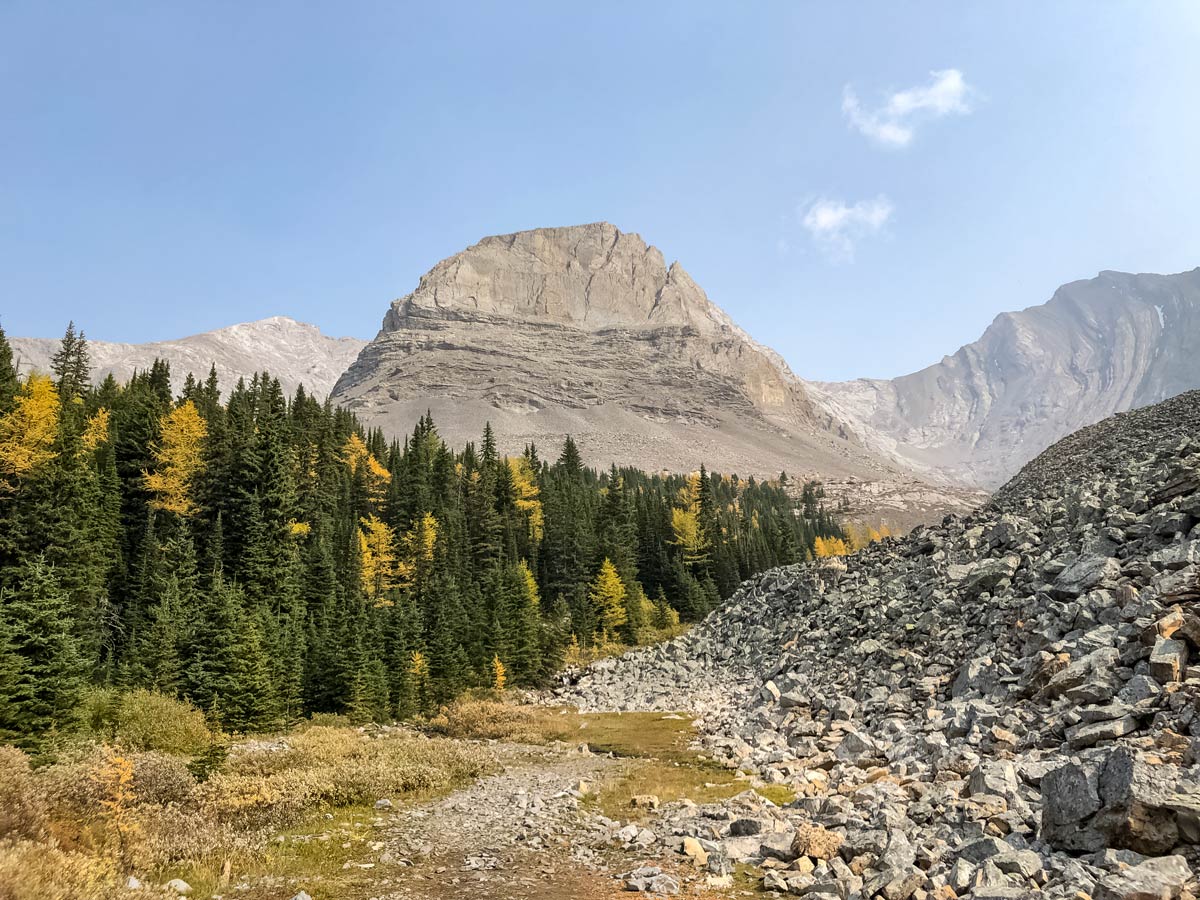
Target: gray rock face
1001 705
1098 347
295 353
588 331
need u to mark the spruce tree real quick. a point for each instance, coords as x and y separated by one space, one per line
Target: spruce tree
71 365
8 374
42 671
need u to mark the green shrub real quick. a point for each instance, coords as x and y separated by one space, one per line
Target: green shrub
98 712
146 720
325 720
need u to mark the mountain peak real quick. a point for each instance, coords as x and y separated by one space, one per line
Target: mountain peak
592 276
586 330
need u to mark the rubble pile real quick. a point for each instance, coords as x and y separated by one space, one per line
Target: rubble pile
1003 705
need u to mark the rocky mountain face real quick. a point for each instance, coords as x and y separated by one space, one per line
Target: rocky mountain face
588 331
1101 346
1002 706
292 351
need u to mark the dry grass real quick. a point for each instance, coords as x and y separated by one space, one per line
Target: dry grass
31 870
491 720
327 767
167 824
22 806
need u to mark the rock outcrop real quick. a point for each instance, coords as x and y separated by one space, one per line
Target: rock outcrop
295 353
1005 705
588 331
1098 347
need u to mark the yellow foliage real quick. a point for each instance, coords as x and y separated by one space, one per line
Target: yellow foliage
356 455
689 535
28 431
830 547
525 485
607 597
858 536
574 655
418 666
377 548
383 566
419 544
499 675
115 781
177 458
95 432
531 588
299 529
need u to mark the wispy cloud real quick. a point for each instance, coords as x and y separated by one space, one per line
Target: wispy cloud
836 227
894 123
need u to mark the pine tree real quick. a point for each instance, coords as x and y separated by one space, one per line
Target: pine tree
469 559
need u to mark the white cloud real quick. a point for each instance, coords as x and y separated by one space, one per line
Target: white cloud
894 123
836 228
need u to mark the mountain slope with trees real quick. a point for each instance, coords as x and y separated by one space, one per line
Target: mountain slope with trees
265 556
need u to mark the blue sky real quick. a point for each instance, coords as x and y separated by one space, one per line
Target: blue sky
862 186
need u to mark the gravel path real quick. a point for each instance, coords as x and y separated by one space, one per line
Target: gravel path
516 834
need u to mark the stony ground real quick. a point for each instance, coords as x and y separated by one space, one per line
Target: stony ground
534 830
519 833
1001 706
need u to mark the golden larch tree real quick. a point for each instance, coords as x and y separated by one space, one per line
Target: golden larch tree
525 487
378 559
95 432
28 431
607 597
178 457
358 458
689 532
531 588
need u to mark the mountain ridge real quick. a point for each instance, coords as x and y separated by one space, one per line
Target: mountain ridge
294 352
1099 346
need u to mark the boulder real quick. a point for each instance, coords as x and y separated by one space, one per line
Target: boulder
1163 878
816 842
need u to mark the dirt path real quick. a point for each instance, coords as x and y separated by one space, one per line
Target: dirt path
516 834
525 832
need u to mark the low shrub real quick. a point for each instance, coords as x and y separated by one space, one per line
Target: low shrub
22 807
98 712
37 871
146 720
172 835
325 720
481 719
70 786
159 779
331 767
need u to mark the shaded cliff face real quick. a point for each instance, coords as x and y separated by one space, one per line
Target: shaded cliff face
295 353
1098 347
587 331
